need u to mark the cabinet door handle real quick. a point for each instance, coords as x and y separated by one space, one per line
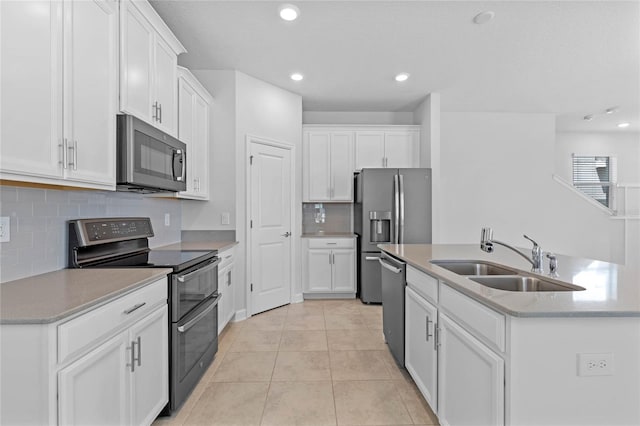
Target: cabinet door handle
75 155
139 351
229 279
427 328
63 145
70 162
160 115
155 111
436 341
134 308
329 258
132 357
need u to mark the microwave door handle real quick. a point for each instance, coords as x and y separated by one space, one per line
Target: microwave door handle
179 165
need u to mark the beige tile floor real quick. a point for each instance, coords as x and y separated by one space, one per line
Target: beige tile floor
321 362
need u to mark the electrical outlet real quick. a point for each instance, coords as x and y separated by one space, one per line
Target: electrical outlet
225 218
5 229
167 219
595 364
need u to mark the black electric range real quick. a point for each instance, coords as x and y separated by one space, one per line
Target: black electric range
192 292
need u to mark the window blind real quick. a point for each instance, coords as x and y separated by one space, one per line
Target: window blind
595 176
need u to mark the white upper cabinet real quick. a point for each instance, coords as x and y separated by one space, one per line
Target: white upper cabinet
391 148
194 104
59 101
148 66
328 166
90 87
401 149
369 150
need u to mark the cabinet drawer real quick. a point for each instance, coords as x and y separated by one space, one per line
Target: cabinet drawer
331 243
226 258
422 283
484 323
90 327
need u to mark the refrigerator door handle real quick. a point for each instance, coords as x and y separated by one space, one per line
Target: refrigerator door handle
401 229
396 209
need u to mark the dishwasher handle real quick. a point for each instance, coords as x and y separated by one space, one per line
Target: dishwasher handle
388 266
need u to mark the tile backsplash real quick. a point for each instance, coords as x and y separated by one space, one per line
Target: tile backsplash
337 217
39 230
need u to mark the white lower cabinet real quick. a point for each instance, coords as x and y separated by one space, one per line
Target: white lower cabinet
107 365
150 369
226 289
123 381
421 350
95 386
470 378
329 266
453 363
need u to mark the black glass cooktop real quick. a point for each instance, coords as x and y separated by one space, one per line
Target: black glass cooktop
178 260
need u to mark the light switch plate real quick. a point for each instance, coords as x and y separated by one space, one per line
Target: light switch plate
5 229
225 218
167 219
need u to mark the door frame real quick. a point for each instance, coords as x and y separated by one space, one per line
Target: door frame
251 139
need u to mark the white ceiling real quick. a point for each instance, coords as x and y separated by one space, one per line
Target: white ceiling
562 57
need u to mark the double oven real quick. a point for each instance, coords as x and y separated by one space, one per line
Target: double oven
192 292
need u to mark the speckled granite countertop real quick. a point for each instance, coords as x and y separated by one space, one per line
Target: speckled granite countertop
330 235
217 246
611 289
55 295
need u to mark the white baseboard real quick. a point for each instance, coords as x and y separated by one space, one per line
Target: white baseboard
297 298
240 315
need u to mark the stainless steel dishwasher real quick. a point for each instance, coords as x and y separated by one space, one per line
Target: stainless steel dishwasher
393 284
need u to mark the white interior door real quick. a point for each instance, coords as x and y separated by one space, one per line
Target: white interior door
271 226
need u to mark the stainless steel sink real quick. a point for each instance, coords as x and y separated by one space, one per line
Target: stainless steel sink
524 283
473 267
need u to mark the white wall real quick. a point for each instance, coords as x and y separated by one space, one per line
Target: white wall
496 171
244 106
198 215
427 115
357 117
623 145
267 112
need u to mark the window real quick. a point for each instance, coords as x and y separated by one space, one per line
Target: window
595 176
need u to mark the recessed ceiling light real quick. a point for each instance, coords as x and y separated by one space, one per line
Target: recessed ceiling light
296 76
289 12
623 125
588 117
403 76
611 110
483 17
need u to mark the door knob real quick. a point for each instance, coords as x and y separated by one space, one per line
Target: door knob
286 234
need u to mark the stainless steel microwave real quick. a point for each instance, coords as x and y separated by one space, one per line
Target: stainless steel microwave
148 160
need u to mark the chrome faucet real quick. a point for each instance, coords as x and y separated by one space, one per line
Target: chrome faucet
487 242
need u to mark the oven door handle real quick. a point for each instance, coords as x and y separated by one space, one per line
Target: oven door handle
191 323
210 266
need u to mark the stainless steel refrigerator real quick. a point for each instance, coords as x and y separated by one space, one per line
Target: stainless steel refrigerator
392 206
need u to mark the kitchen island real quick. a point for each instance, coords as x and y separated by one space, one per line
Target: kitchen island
482 355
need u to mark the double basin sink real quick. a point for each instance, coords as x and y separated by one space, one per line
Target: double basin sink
502 277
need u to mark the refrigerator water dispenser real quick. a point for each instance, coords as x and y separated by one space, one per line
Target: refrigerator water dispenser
380 226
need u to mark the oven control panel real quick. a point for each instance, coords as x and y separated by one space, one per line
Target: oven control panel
93 231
